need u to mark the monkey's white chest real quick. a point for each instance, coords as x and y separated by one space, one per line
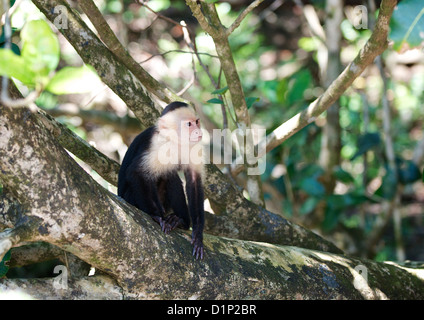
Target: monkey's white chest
166 156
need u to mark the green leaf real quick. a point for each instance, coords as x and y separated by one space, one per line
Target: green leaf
14 66
331 219
114 6
4 264
220 91
408 171
73 80
337 204
273 90
14 47
311 170
215 101
407 24
158 5
309 205
299 82
40 49
366 142
342 201
308 44
387 189
343 175
287 208
312 187
250 101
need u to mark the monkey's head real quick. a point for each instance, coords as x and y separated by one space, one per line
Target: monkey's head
179 122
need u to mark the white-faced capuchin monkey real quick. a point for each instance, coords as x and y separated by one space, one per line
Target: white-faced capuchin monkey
148 178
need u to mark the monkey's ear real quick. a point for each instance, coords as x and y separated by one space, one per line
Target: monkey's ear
162 124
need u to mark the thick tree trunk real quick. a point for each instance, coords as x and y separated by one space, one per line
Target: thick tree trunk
63 206
48 197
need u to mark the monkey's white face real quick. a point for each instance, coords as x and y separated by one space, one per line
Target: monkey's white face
181 126
194 131
176 143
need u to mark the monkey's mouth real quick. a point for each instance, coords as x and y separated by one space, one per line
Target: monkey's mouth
195 138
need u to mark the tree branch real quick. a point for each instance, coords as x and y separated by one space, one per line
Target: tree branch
10 210
71 211
112 42
68 209
263 225
99 287
107 168
374 47
243 15
112 71
220 37
127 124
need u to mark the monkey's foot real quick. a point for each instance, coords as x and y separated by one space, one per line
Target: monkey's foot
171 222
158 219
197 247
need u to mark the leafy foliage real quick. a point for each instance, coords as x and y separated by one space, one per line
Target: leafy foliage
72 80
15 48
367 142
4 264
39 57
407 24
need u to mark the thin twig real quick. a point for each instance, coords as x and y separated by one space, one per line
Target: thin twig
187 86
312 19
11 11
158 15
243 15
176 51
216 85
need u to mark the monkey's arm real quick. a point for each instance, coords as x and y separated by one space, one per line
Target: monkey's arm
195 197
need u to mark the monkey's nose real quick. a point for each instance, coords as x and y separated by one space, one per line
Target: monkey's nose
196 135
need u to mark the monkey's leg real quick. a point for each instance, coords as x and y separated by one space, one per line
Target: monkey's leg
195 197
143 194
175 197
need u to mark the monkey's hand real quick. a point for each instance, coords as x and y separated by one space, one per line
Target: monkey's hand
197 242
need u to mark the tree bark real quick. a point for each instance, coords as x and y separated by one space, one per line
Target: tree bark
49 198
64 206
331 145
211 23
264 226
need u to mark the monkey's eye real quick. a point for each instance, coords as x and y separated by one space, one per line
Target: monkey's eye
188 124
197 121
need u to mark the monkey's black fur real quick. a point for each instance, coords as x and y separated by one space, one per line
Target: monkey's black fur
173 106
156 195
